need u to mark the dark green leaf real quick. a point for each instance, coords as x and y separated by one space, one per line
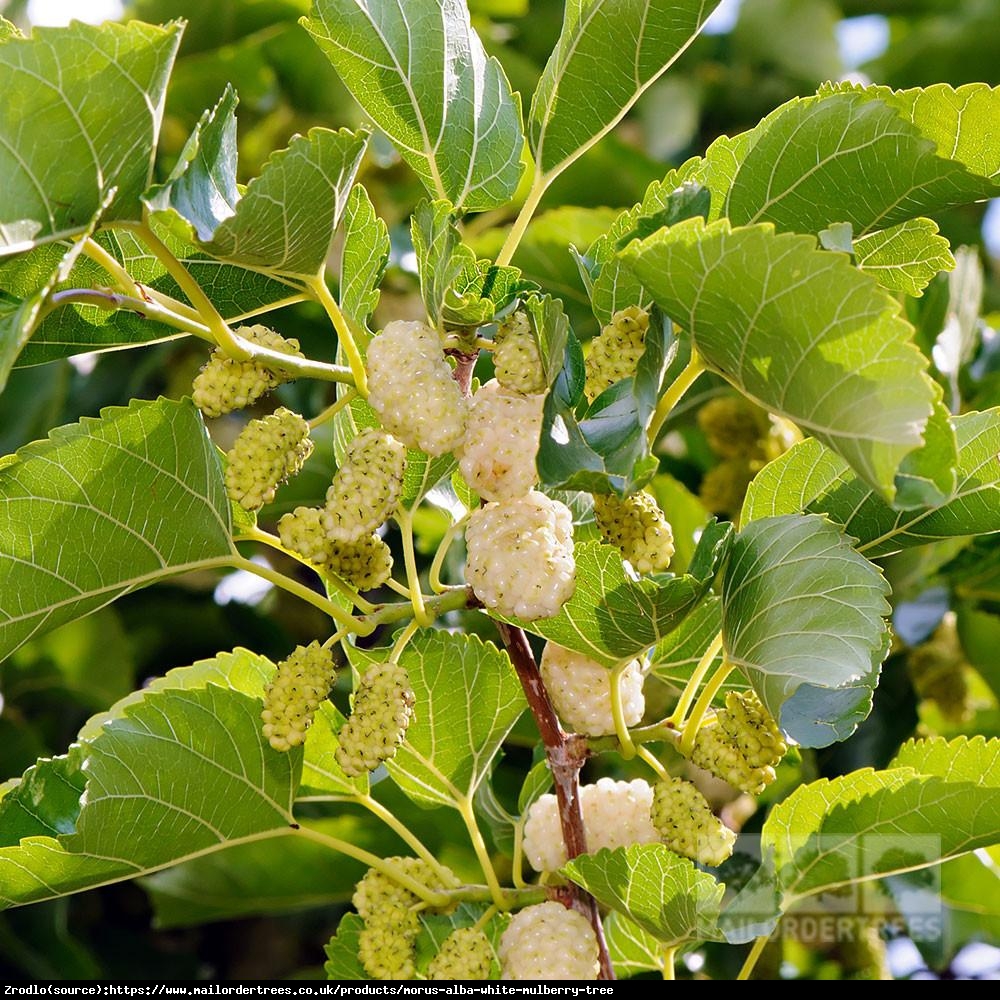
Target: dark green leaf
362 261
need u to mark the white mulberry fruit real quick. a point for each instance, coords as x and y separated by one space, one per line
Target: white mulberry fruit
580 689
733 426
225 384
366 487
549 941
520 556
615 814
750 727
266 453
516 359
411 388
300 683
635 525
497 457
383 708
465 954
302 531
615 352
687 825
714 751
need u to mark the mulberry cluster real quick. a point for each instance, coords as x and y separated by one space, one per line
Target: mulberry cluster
365 488
411 388
549 941
266 453
364 564
383 708
745 437
465 954
580 689
497 457
687 825
635 525
516 359
290 701
743 746
386 943
615 814
615 352
520 556
938 670
225 384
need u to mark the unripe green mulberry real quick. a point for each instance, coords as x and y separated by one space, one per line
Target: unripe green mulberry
267 452
687 824
301 683
366 487
615 352
383 708
516 359
497 457
733 426
635 525
580 689
225 384
465 954
388 952
938 670
724 487
549 941
749 726
714 751
411 388
302 531
520 556
364 564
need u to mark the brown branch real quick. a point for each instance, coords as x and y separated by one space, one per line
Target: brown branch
566 755
464 365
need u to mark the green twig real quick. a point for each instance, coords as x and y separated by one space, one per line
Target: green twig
755 952
694 681
672 396
332 410
517 231
318 287
405 522
702 705
465 810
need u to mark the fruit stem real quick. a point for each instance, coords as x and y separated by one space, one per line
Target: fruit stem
679 386
345 336
694 681
405 522
479 846
566 756
403 832
702 705
755 953
628 750
434 576
233 346
332 410
341 617
658 769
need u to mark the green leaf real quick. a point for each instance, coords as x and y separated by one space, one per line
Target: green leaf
202 722
801 332
550 325
240 881
287 216
905 257
803 619
362 261
342 962
9 30
321 774
663 893
467 699
202 186
606 56
608 450
823 159
812 478
631 947
676 655
611 285
126 500
936 801
441 254
612 617
80 119
420 72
